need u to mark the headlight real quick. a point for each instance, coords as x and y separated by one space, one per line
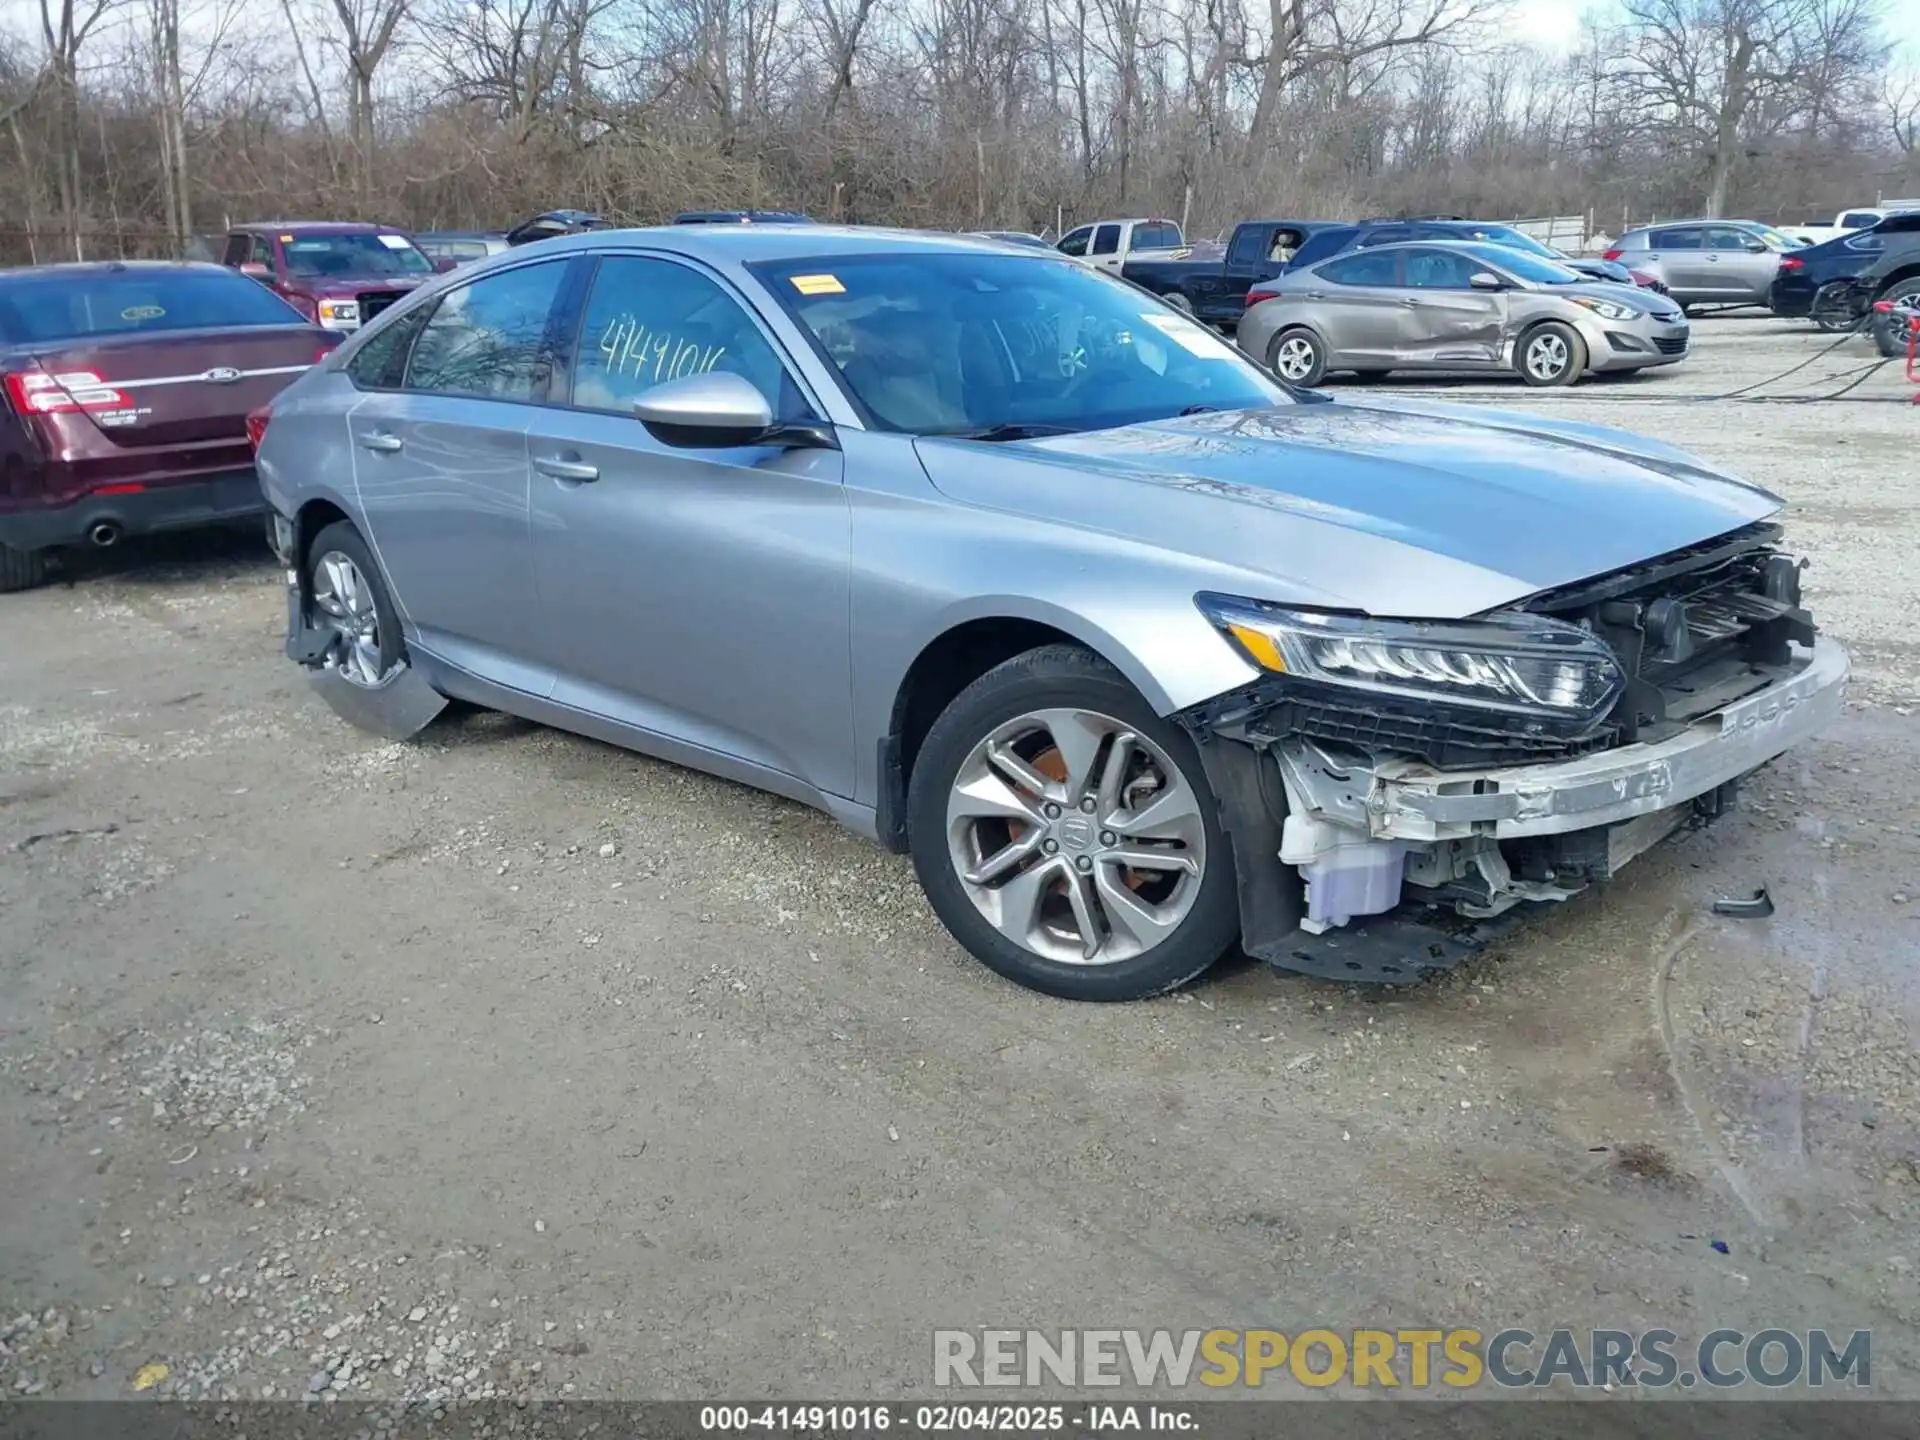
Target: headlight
1517 663
343 310
1607 309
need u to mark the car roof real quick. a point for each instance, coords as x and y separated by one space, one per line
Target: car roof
1482 250
84 269
750 244
322 227
460 234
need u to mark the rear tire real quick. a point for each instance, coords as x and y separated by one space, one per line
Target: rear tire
361 614
1832 308
1298 357
1179 302
1551 354
21 569
1033 780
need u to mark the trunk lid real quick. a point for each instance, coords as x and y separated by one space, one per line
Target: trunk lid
171 387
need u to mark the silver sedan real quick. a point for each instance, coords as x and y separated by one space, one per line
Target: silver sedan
1002 562
1455 307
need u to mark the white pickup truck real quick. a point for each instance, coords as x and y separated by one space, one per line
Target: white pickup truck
1110 244
1860 217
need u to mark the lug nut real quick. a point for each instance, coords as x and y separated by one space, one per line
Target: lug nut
1052 811
1106 837
1051 846
1087 805
1084 863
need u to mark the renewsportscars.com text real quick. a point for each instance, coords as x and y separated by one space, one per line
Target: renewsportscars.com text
1457 1359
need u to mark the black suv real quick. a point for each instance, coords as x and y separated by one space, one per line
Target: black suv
1323 244
1837 281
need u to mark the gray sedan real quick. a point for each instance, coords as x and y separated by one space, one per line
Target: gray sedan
1135 650
1455 307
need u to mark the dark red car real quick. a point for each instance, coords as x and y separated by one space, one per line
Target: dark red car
339 274
126 392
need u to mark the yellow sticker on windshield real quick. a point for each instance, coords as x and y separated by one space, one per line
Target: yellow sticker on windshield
818 285
286 239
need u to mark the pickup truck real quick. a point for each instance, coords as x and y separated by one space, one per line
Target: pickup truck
1114 244
338 275
1213 288
1859 217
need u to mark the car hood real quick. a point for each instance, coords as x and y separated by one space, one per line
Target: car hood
1417 510
351 287
1597 289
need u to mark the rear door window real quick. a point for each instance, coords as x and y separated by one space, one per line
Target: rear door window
239 250
1106 240
132 302
1377 268
1858 219
491 339
1681 237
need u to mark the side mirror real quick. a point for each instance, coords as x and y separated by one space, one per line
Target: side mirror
717 411
1755 247
1486 280
255 270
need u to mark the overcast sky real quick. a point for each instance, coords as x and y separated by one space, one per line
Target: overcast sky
1555 24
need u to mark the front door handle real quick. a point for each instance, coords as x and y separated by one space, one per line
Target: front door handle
563 469
382 442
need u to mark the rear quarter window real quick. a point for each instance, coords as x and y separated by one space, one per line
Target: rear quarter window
69 307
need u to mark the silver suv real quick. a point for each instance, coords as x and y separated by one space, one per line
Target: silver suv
1705 262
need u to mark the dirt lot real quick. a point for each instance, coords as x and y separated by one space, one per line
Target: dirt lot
506 1063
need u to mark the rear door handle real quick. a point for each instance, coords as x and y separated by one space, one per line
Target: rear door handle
381 441
563 469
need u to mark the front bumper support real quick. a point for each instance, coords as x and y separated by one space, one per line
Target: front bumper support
1407 800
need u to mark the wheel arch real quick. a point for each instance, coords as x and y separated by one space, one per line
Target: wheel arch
965 648
1525 332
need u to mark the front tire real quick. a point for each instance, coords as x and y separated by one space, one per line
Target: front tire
21 569
1551 354
1298 357
1889 335
1065 834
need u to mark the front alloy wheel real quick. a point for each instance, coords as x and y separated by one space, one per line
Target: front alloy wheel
1065 833
1076 837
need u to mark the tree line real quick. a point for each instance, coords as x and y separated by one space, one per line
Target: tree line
132 125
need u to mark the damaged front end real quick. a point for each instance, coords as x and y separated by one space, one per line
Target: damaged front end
398 705
1423 785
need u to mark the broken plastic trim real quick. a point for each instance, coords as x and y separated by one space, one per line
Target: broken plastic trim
399 707
1757 906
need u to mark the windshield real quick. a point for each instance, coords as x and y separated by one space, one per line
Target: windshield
1519 240
967 343
71 306
327 257
1523 265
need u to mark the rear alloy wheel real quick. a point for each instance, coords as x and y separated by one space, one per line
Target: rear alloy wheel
1065 834
1551 354
1298 357
350 600
1833 307
21 569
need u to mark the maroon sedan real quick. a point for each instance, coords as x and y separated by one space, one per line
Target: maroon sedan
127 388
337 273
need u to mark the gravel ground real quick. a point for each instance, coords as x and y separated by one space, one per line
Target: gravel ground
503 1063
